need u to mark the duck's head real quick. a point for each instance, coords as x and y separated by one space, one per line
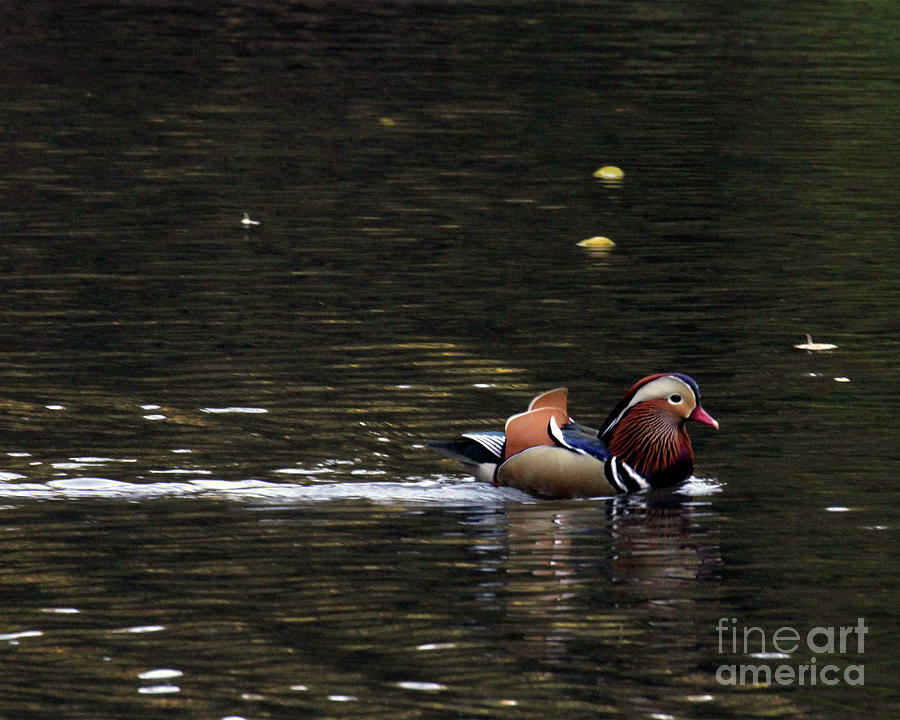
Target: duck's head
646 428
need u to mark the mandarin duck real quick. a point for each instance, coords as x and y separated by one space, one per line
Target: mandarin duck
643 443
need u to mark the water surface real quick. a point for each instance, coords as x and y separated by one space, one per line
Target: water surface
216 496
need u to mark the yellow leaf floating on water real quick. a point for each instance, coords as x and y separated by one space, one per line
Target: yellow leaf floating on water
609 172
387 122
814 346
597 242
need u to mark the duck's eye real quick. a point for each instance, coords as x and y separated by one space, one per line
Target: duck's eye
675 399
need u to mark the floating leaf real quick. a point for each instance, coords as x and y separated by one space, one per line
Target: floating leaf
814 346
597 242
609 172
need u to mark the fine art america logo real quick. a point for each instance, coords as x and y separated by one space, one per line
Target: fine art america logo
780 645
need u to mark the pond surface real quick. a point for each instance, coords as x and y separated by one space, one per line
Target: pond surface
215 495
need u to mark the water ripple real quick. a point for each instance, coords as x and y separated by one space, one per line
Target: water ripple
437 491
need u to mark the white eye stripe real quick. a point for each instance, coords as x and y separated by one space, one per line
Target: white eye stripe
659 388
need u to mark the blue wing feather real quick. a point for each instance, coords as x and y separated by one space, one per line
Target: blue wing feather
581 437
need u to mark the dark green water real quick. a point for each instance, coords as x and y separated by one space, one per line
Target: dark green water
213 456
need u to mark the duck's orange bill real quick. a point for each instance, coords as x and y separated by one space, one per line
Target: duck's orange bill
701 416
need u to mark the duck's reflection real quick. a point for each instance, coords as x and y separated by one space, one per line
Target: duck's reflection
616 584
654 542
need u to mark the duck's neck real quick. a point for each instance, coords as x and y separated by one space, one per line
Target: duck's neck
655 444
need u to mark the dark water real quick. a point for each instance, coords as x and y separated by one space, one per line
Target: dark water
215 497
